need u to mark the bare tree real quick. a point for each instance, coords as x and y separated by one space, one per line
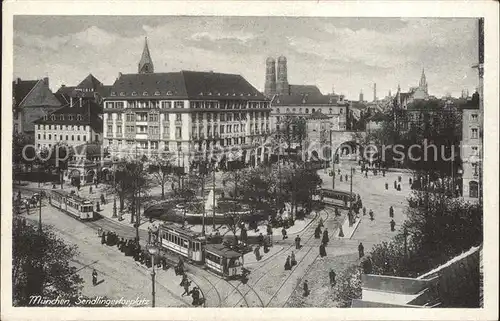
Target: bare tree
160 170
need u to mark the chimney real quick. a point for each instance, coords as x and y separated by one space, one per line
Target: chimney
46 81
119 75
70 101
81 102
374 92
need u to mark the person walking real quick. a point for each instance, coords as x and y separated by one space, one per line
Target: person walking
306 288
326 239
322 250
288 265
361 250
243 235
332 277
393 224
283 232
195 294
186 288
371 215
317 232
297 242
257 252
261 239
293 261
94 277
391 212
184 279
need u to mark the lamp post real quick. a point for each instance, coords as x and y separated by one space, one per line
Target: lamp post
153 250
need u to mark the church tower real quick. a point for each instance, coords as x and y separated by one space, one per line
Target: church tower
422 85
146 64
361 98
270 86
282 83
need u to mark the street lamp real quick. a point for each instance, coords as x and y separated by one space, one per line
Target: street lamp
153 250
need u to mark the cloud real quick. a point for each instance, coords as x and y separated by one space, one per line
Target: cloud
215 36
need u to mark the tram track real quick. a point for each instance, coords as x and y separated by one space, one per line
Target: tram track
279 263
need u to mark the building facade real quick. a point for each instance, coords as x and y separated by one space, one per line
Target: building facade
32 99
187 114
318 136
73 125
471 147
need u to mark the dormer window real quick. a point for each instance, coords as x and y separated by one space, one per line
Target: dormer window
249 94
145 93
113 93
79 117
122 93
61 117
234 94
241 94
218 94
53 117
157 93
134 93
227 94
210 94
45 117
169 93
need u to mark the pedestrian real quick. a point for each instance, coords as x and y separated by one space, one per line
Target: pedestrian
283 232
361 250
399 187
395 185
297 242
186 288
391 212
317 232
410 181
337 212
99 231
322 250
341 178
288 265
393 224
366 174
243 235
94 277
293 261
103 238
195 294
346 178
261 239
184 279
332 277
321 221
371 215
325 237
339 171
257 252
386 186
306 288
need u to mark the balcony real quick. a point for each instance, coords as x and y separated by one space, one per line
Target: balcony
118 135
178 122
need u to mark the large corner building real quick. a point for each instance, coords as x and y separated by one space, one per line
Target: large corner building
188 114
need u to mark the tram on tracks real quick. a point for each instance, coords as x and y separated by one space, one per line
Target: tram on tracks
332 197
193 246
77 207
223 261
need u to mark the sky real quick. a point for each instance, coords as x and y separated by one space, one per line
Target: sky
347 54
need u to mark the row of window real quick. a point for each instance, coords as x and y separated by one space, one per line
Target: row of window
195 246
180 104
63 117
62 127
84 137
294 110
145 104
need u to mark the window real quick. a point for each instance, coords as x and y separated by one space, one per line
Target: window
341 111
50 136
110 104
50 127
179 104
119 129
331 110
222 117
222 129
474 132
473 117
39 136
288 110
293 110
154 145
209 117
228 128
277 110
178 133
84 138
72 137
118 116
153 117
60 137
78 137
178 117
53 117
110 129
473 189
44 137
67 137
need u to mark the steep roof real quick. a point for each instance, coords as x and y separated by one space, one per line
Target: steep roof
89 112
90 82
21 88
378 116
146 59
185 85
303 89
86 89
302 100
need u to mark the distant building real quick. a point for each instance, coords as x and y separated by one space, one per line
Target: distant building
318 131
88 88
75 124
189 114
31 99
471 147
375 122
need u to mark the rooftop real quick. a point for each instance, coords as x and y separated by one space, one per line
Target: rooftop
21 88
304 99
185 85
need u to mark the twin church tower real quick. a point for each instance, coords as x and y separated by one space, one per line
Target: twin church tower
276 84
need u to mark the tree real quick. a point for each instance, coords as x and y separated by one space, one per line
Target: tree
348 286
291 130
59 158
160 170
41 265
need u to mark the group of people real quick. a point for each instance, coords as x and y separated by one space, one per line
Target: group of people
194 292
325 238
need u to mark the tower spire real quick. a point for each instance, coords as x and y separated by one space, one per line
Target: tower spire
146 63
423 81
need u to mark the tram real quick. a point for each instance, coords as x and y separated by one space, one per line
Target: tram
78 207
182 241
223 261
193 246
333 197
